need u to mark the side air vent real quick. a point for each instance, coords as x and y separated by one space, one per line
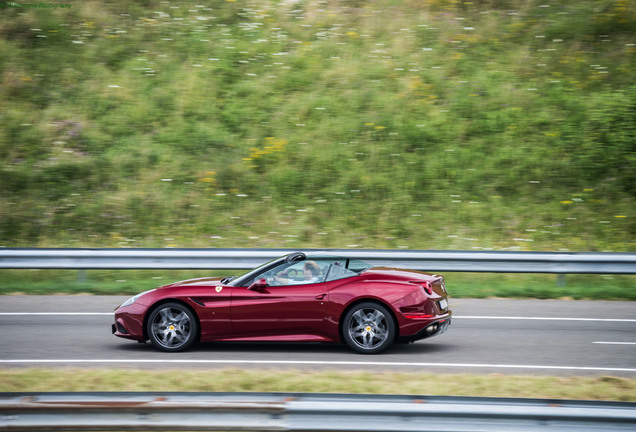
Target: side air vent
197 301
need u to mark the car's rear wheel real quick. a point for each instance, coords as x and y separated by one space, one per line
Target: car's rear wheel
368 328
172 327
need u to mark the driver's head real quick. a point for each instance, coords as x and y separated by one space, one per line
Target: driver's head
311 269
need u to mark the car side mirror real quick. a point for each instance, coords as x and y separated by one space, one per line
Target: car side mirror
258 285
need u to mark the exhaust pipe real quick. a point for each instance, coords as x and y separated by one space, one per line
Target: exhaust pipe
432 329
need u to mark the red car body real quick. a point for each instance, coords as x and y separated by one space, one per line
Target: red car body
348 302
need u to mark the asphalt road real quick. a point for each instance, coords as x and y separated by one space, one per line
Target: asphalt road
528 337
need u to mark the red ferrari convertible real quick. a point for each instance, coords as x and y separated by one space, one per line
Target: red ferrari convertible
296 298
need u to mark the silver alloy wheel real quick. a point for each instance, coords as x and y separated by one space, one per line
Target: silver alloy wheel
172 327
369 328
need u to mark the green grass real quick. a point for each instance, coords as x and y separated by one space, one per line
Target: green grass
460 285
235 380
570 287
504 125
99 282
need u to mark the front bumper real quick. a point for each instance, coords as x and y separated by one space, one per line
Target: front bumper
129 322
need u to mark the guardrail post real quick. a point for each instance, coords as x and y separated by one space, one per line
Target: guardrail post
561 280
81 276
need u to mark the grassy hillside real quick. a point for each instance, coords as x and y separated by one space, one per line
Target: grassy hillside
435 124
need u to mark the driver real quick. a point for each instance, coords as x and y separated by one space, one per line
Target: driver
311 274
311 271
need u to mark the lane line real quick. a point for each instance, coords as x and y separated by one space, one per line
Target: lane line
55 313
520 318
316 363
615 343
545 318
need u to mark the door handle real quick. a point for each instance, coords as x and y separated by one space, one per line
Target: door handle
320 296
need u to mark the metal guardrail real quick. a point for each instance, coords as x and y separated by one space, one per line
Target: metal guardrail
227 259
305 412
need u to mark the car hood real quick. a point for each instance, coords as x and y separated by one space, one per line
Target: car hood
381 273
209 281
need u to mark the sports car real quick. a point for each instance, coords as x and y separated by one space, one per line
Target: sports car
299 298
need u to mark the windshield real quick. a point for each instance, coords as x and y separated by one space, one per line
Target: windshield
249 275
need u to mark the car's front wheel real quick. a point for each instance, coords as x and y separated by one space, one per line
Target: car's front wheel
368 328
172 327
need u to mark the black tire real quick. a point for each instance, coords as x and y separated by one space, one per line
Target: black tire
368 328
172 327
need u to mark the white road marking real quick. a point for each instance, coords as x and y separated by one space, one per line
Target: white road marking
544 318
615 343
323 363
55 313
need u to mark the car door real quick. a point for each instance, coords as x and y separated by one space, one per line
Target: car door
294 310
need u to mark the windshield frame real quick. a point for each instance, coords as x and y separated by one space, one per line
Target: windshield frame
260 269
252 275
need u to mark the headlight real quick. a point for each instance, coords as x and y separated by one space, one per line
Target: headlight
134 298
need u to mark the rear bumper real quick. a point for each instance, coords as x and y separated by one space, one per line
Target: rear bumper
433 329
